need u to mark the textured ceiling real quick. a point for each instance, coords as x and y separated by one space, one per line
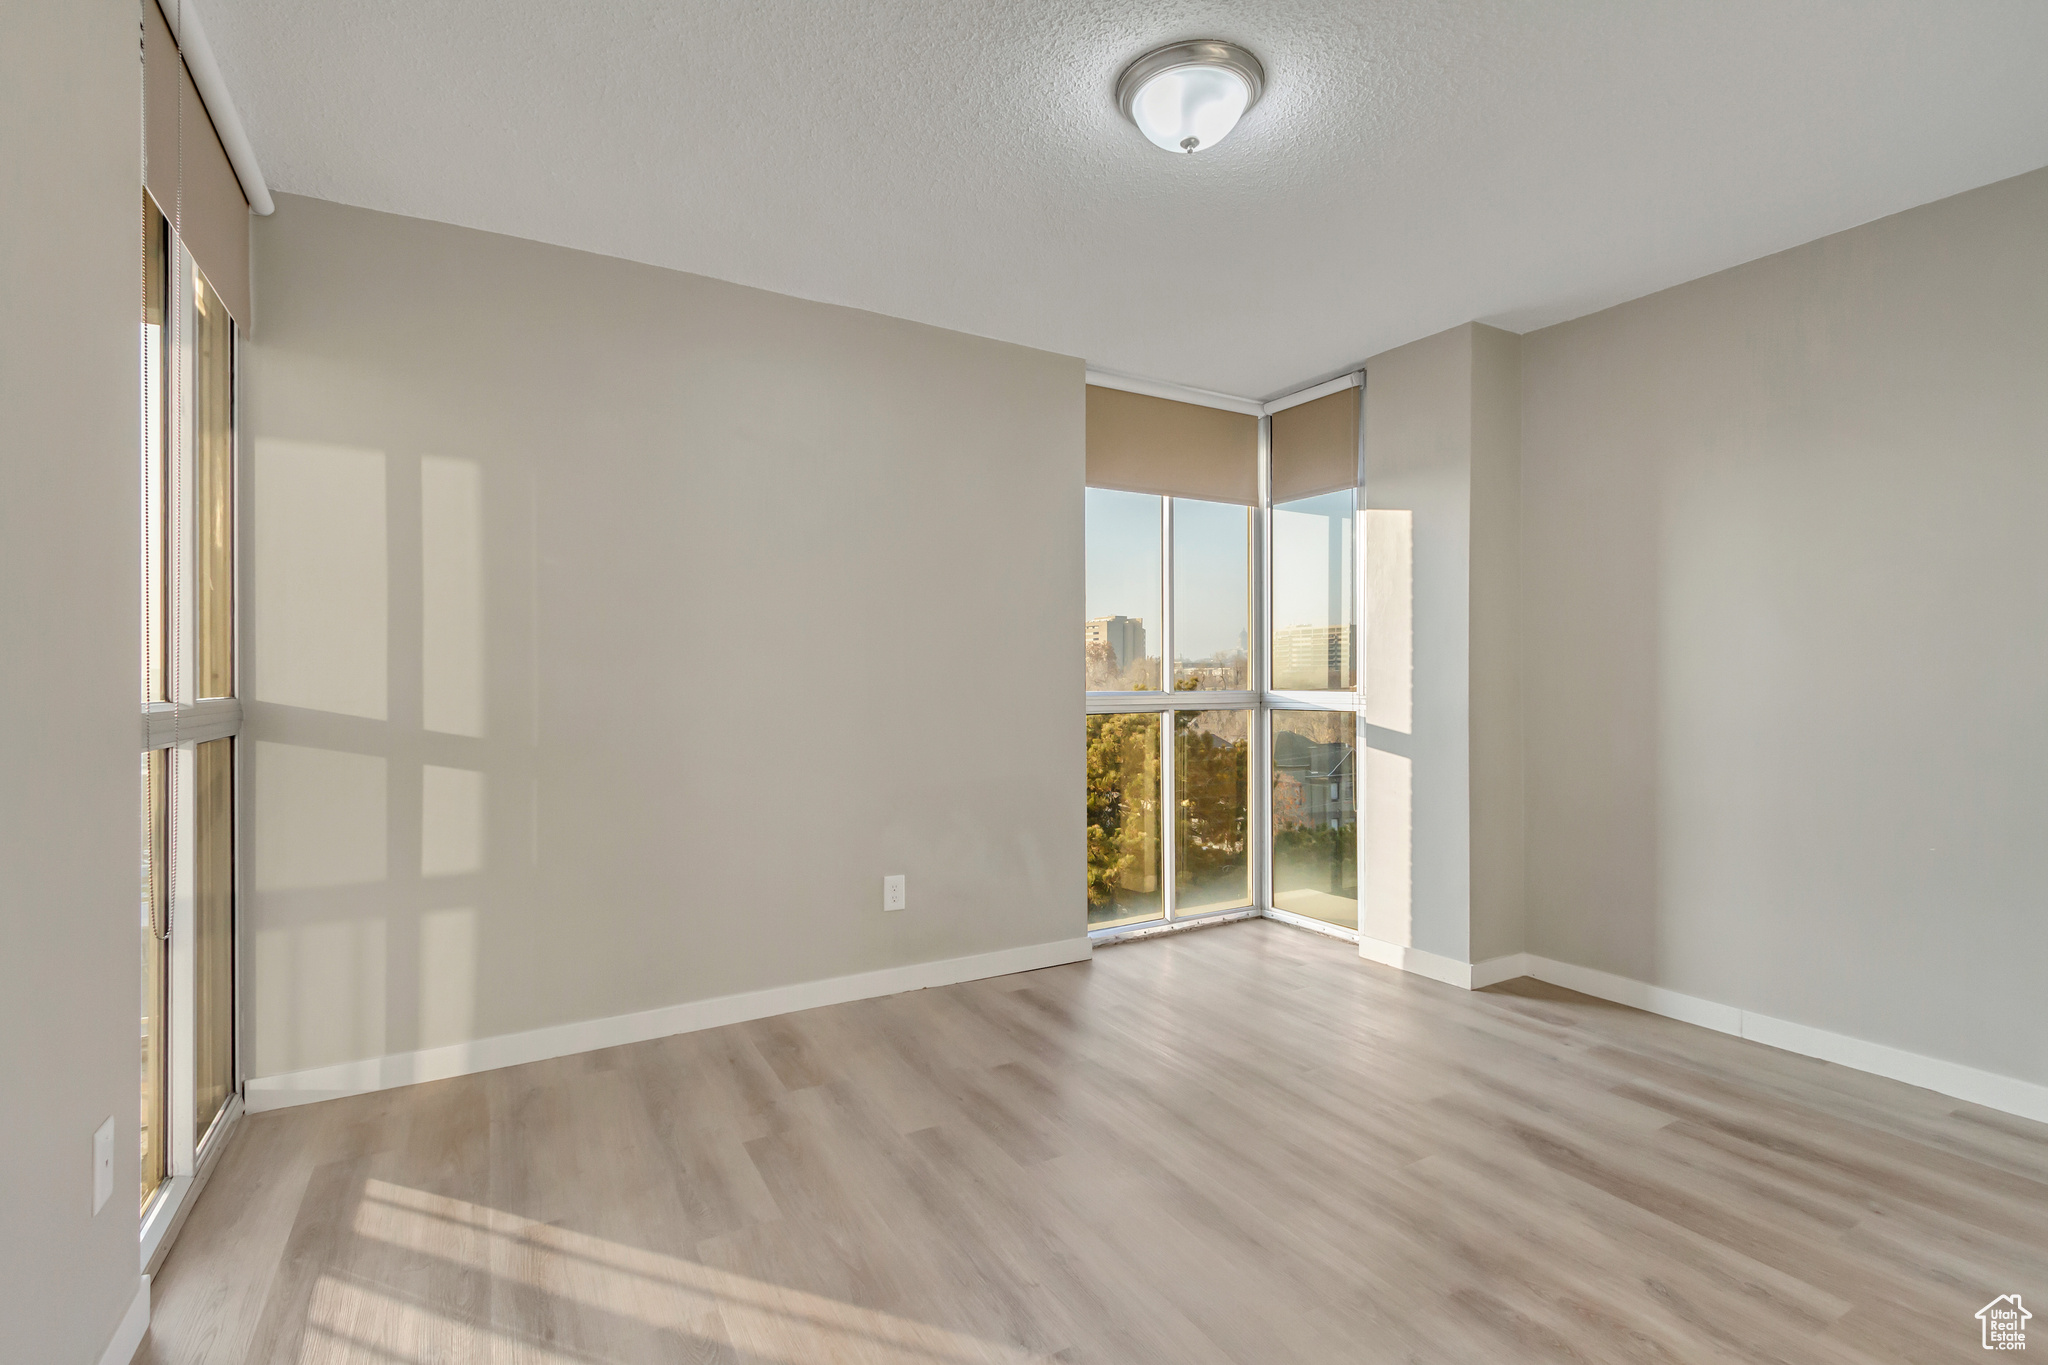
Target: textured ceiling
1414 165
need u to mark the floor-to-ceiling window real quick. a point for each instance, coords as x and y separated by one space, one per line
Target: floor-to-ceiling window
189 714
155 765
1313 700
1170 637
1126 609
1220 637
194 282
190 717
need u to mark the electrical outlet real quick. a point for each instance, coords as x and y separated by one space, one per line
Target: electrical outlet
102 1166
892 892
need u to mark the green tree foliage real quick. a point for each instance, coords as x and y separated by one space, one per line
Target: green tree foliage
1211 809
1123 810
1212 771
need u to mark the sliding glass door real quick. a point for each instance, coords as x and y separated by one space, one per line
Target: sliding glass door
189 717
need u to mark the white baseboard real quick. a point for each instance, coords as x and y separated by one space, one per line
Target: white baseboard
562 1040
2008 1094
134 1326
1436 967
1495 970
1623 990
2005 1093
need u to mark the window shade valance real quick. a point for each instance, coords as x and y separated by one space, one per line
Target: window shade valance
1315 446
214 215
1156 445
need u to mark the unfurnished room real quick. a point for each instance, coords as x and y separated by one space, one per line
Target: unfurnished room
910 682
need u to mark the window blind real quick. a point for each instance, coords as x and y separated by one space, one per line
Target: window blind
1144 444
214 216
1315 446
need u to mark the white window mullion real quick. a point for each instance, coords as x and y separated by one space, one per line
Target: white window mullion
236 503
179 1031
1358 637
1258 676
181 676
1169 824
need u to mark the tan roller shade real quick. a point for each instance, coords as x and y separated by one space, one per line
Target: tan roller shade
1315 446
214 216
1155 445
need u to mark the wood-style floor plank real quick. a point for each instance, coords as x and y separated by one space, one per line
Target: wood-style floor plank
1242 1144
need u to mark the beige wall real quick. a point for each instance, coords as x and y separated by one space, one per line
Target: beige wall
70 291
1443 772
1496 686
1418 528
1786 633
613 632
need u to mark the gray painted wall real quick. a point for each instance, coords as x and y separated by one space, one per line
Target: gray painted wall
614 631
1443 708
1418 528
70 576
1786 583
1498 823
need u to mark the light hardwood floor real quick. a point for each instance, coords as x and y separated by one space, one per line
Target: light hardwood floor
1238 1144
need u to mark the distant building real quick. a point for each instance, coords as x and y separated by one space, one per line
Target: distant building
1312 657
1320 780
1221 673
1125 636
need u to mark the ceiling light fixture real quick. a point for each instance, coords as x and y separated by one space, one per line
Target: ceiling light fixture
1186 97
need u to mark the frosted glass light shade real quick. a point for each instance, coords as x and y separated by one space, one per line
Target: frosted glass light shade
1191 109
1186 97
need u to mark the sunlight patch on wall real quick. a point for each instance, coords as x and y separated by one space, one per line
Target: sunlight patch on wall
1390 620
318 578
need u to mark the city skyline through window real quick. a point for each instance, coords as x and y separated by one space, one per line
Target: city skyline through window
1315 612
1124 625
1211 595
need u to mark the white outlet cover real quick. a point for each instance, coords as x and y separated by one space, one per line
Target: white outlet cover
102 1165
892 893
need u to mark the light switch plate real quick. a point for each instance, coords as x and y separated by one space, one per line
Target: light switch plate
892 892
103 1166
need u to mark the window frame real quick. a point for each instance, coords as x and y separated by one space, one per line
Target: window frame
176 724
1261 699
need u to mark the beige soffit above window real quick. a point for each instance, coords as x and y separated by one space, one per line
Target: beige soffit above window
1315 446
214 216
1156 445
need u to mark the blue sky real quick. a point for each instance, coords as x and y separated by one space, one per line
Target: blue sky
1122 542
